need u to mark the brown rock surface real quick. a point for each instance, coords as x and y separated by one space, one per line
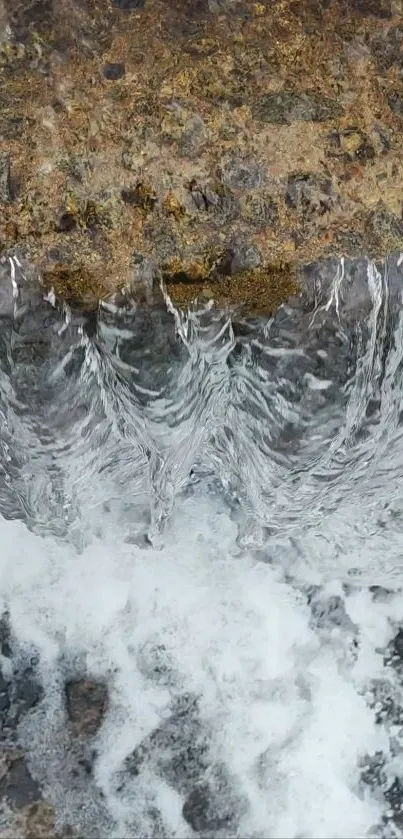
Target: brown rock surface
228 141
86 703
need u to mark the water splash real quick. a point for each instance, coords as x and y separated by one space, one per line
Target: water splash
208 502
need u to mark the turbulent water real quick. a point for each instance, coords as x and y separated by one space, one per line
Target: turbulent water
208 515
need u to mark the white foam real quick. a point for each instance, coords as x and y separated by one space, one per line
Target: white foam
282 705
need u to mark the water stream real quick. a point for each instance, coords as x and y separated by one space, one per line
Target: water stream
207 513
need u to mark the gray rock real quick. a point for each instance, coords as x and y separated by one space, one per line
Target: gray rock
18 786
211 807
387 48
240 256
240 172
309 193
5 183
288 106
395 102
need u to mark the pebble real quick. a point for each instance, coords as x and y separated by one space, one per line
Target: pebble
113 72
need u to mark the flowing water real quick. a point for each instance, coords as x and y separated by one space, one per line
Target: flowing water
208 515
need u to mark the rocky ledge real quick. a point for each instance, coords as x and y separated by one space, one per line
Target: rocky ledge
220 144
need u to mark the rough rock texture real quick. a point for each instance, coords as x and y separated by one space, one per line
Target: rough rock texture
86 702
220 143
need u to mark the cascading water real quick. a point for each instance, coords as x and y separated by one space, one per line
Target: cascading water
208 515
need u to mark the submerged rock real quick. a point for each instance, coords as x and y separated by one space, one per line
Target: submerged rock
17 784
86 704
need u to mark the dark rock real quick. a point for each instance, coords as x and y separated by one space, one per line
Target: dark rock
375 8
66 223
4 696
239 172
239 257
25 693
394 654
387 49
329 612
26 17
18 786
309 193
87 702
129 5
206 809
5 636
381 594
113 72
141 196
395 102
177 749
394 798
217 199
5 184
28 692
289 106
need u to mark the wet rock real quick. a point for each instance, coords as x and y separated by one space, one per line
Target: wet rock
209 809
39 821
4 698
288 106
5 183
328 612
86 704
178 749
20 692
394 655
113 72
309 193
5 636
17 784
395 102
